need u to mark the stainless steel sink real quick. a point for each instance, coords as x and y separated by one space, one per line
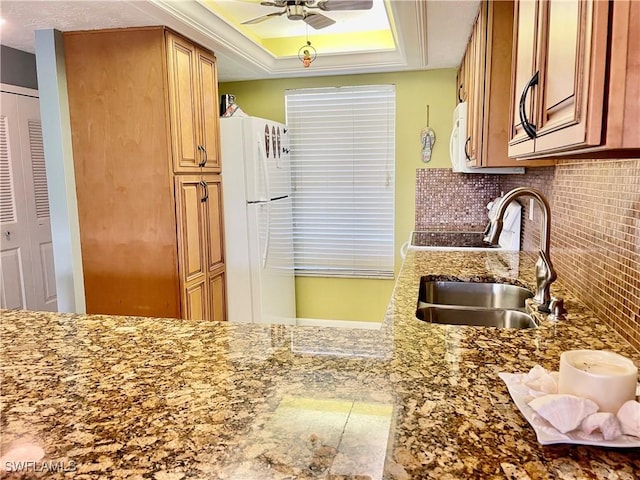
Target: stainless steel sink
481 317
473 303
473 294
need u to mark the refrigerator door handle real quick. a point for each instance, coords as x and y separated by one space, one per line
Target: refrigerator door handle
265 253
265 169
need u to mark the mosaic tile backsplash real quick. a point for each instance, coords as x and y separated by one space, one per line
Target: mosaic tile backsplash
595 231
452 201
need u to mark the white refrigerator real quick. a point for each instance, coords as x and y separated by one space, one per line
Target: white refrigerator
258 223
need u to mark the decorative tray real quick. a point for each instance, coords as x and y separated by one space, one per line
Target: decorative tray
547 435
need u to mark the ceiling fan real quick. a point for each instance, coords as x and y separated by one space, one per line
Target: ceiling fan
300 10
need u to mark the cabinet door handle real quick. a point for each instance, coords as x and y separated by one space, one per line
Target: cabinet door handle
466 152
528 127
459 91
203 162
205 191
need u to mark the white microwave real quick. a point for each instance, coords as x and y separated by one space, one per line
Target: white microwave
457 143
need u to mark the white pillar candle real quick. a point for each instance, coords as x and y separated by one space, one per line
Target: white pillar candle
605 377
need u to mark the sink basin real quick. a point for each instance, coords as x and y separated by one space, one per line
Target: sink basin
473 294
482 317
473 303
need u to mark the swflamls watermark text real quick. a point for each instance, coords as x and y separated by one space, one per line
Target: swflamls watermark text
31 466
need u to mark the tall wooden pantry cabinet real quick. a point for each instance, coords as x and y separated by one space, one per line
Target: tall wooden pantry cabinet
145 135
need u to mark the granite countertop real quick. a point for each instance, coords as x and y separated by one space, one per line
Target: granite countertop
130 397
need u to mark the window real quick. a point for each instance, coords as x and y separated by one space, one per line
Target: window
343 162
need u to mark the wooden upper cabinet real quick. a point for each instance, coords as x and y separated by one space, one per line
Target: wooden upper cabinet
460 82
193 98
523 68
486 73
475 94
560 83
209 120
563 62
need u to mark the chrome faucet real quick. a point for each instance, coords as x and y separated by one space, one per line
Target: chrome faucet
545 274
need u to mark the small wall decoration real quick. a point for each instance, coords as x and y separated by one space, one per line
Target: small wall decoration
427 139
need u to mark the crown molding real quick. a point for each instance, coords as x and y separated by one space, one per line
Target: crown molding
198 23
421 17
427 34
240 58
195 21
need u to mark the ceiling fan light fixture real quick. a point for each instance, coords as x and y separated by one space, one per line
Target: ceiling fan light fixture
295 12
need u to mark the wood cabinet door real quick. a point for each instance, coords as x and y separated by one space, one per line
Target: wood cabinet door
191 229
482 74
200 240
209 123
214 240
623 108
572 73
460 79
185 104
477 48
464 91
217 297
563 45
195 301
193 104
524 67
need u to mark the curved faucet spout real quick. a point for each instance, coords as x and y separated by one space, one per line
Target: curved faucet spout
545 273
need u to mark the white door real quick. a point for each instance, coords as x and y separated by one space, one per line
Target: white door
26 252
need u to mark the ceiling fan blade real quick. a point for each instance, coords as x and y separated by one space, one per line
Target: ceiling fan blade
329 5
262 18
318 21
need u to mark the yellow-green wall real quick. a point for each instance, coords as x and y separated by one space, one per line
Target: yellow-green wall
366 299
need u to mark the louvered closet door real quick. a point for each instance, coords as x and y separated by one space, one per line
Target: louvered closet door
15 256
37 200
28 277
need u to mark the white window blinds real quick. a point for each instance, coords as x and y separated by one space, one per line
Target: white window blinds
343 162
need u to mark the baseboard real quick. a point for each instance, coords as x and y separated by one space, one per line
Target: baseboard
319 322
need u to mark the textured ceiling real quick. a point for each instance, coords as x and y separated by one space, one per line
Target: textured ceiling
24 17
430 34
